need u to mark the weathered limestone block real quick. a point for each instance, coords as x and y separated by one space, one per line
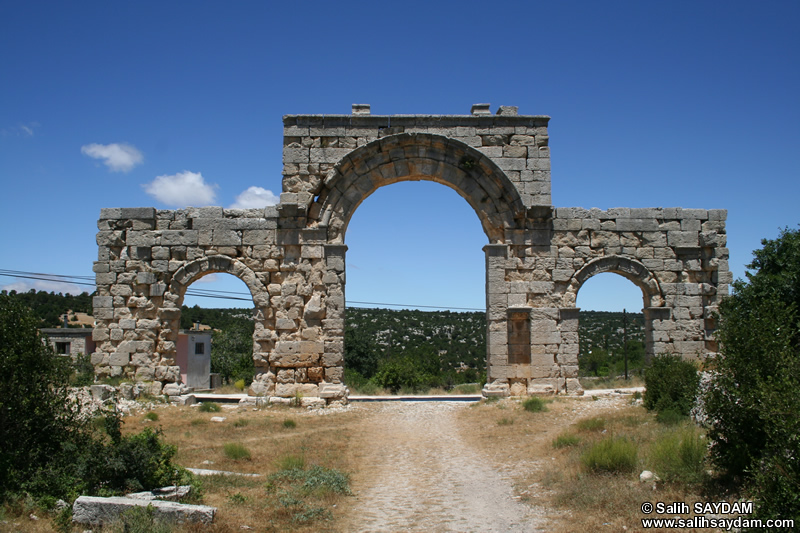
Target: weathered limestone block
93 510
289 390
496 389
333 391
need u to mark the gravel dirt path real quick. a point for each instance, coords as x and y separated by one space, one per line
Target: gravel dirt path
416 472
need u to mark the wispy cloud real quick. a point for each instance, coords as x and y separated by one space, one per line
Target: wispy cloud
254 197
44 285
182 189
118 157
21 130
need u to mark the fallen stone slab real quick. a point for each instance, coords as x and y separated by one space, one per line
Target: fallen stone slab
98 511
172 493
207 472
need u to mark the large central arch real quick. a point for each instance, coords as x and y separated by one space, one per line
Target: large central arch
414 157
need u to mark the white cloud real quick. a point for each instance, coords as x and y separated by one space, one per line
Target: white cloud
254 197
44 285
182 189
118 157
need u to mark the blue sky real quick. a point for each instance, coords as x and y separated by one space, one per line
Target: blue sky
125 104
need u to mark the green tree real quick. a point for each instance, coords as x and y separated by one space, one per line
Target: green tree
36 414
752 400
232 352
361 354
671 384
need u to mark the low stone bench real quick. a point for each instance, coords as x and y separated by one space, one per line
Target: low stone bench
97 511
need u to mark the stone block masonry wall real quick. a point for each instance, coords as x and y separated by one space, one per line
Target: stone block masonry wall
677 257
292 256
148 258
315 144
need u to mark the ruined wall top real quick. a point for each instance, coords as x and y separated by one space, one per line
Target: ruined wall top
479 117
323 154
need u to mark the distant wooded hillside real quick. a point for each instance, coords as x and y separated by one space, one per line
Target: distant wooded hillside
49 306
409 347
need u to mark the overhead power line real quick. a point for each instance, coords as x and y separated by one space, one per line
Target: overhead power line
200 293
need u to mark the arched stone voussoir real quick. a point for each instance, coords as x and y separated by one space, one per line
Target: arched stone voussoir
631 269
194 270
414 157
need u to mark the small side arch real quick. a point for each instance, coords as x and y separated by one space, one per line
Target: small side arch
628 268
194 270
414 157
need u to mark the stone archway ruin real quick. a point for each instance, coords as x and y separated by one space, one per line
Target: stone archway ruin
292 256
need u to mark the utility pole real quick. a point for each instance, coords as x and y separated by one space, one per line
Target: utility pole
625 340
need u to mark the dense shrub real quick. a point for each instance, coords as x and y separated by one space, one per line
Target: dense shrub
752 400
671 384
37 417
50 449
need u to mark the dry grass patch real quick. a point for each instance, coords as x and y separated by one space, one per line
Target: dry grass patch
322 442
562 458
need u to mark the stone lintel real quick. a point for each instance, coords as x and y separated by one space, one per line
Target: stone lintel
657 313
123 213
568 313
383 121
496 250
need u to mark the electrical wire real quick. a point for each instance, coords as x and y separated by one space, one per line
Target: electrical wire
203 293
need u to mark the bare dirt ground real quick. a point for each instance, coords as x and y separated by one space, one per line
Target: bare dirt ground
418 474
422 466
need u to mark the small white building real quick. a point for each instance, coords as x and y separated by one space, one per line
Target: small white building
194 358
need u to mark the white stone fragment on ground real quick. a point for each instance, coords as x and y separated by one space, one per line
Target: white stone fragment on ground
647 476
97 511
207 472
218 419
173 493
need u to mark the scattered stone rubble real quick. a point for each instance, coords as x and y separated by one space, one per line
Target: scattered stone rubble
292 256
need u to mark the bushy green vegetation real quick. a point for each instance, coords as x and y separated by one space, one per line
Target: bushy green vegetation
566 440
592 424
232 352
671 384
413 350
534 404
209 407
612 454
752 401
236 451
601 343
60 451
36 414
679 456
302 493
